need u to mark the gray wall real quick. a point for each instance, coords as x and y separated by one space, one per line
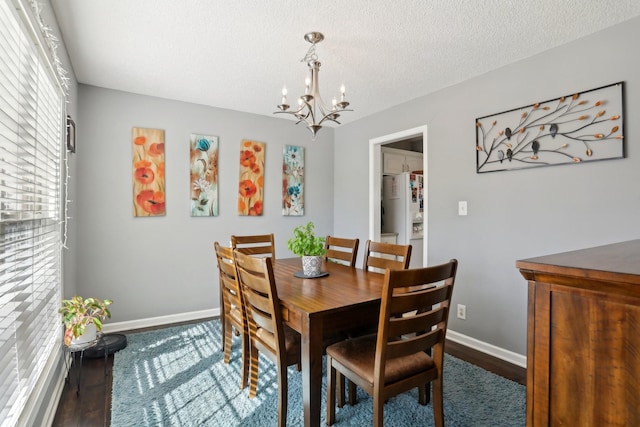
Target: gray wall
512 214
166 265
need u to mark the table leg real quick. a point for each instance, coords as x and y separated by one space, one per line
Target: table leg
312 369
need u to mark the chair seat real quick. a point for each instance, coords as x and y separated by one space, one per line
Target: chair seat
358 355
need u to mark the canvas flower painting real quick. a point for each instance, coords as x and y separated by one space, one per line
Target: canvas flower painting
251 184
293 181
203 181
148 172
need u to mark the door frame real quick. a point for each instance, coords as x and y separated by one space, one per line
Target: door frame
375 181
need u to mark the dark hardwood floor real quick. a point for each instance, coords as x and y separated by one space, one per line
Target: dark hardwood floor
91 407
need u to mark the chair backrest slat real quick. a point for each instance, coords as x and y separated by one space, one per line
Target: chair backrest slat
413 345
403 326
382 255
405 302
342 250
255 245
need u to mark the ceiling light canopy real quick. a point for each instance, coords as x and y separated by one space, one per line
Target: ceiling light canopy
311 109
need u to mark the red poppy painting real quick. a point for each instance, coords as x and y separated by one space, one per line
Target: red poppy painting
250 186
148 172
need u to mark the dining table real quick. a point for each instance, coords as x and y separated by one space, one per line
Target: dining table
342 299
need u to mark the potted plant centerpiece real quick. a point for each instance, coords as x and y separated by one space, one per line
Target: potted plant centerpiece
307 245
82 318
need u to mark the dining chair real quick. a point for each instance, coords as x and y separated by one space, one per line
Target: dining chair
232 309
267 332
378 256
256 245
381 255
341 250
408 349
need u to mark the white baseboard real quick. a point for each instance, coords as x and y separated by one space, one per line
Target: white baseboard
160 320
490 349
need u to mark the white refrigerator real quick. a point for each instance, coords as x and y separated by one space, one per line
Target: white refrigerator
402 211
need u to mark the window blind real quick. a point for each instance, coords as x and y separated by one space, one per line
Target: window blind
31 129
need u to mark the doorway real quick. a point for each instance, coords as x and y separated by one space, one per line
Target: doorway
375 181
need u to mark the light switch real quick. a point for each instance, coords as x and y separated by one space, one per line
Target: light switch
462 208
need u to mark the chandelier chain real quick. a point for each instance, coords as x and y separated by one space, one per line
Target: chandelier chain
311 54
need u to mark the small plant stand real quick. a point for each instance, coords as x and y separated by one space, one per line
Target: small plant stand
71 352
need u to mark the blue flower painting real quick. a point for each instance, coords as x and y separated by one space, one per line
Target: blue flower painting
293 181
204 175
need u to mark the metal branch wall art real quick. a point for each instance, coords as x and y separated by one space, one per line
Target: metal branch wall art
582 127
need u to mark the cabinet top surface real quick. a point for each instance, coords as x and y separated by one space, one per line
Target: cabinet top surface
618 258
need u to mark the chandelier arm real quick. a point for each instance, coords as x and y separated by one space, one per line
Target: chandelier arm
290 112
329 118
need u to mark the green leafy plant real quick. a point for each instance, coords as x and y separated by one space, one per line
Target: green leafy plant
78 312
305 243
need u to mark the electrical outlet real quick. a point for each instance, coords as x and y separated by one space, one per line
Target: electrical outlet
462 311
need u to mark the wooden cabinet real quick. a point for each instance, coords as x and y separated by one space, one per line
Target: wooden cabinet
398 161
583 337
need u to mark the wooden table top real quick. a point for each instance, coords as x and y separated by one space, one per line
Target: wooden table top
343 287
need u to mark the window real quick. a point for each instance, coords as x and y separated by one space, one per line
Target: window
31 147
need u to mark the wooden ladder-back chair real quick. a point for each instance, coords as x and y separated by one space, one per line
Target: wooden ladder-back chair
341 250
381 255
413 321
267 332
256 245
377 257
232 309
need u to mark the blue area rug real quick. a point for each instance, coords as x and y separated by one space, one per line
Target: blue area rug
175 377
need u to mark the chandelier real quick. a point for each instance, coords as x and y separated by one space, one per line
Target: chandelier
311 109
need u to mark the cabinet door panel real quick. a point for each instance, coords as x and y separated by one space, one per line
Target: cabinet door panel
593 360
392 163
414 163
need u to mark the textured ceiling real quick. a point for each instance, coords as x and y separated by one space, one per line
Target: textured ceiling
239 54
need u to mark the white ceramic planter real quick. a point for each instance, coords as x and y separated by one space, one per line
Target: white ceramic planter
88 336
311 265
